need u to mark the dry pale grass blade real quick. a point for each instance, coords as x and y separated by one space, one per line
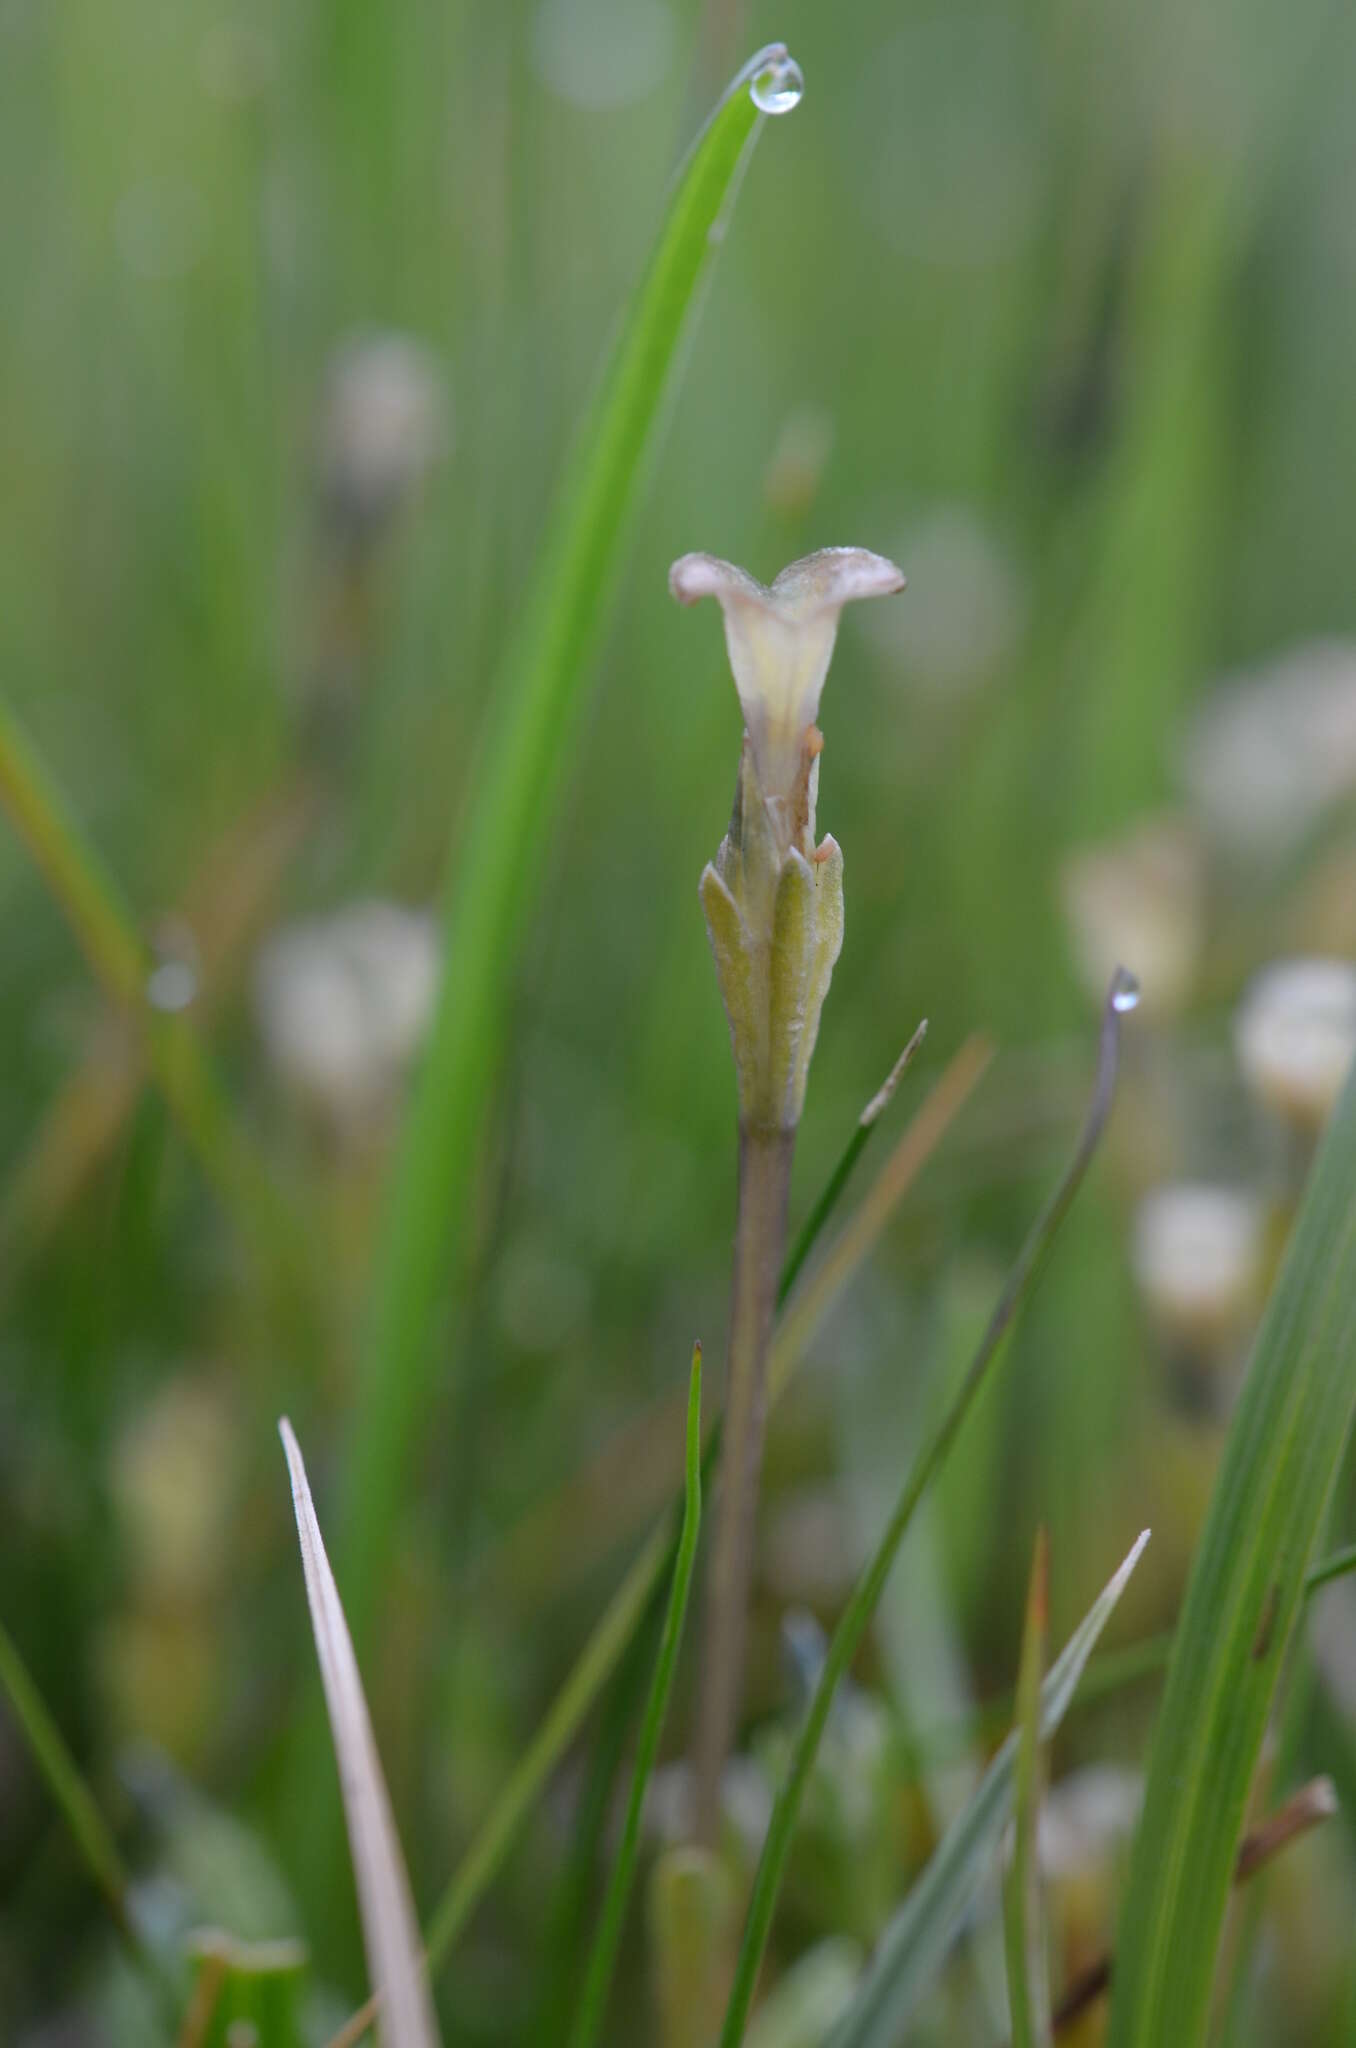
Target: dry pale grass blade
394 1951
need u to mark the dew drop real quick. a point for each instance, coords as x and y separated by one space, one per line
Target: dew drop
1124 990
171 986
173 980
777 88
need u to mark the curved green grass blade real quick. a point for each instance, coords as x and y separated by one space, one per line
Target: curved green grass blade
915 1944
832 1191
564 1947
1282 1456
1121 996
1023 1942
593 2001
536 699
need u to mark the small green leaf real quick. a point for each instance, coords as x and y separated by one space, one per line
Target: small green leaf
742 980
828 875
915 1944
792 957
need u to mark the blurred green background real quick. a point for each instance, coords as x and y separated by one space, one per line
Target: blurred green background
1054 304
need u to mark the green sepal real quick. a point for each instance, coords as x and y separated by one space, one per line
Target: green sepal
828 944
742 978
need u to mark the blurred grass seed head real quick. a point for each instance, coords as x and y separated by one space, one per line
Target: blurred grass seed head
1295 1035
343 1003
1270 751
1198 1259
386 422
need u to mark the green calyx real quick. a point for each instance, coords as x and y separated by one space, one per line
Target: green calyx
774 916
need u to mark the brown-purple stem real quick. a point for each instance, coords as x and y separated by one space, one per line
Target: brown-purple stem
760 1247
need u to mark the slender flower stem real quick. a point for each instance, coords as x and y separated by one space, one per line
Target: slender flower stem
760 1246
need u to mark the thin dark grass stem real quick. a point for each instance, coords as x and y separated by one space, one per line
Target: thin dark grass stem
928 1462
760 1246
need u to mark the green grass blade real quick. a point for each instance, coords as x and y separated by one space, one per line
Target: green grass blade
915 1944
1283 1452
564 1949
832 1191
536 699
1106 1676
1335 1567
926 1465
1023 1941
63 1780
593 2002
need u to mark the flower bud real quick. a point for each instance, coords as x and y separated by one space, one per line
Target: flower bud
773 899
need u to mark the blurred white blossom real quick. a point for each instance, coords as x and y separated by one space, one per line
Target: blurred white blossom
1086 1818
1295 1033
386 422
1138 897
343 1002
1272 750
1198 1252
745 1798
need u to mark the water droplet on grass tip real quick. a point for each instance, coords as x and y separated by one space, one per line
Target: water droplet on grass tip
1124 990
777 88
